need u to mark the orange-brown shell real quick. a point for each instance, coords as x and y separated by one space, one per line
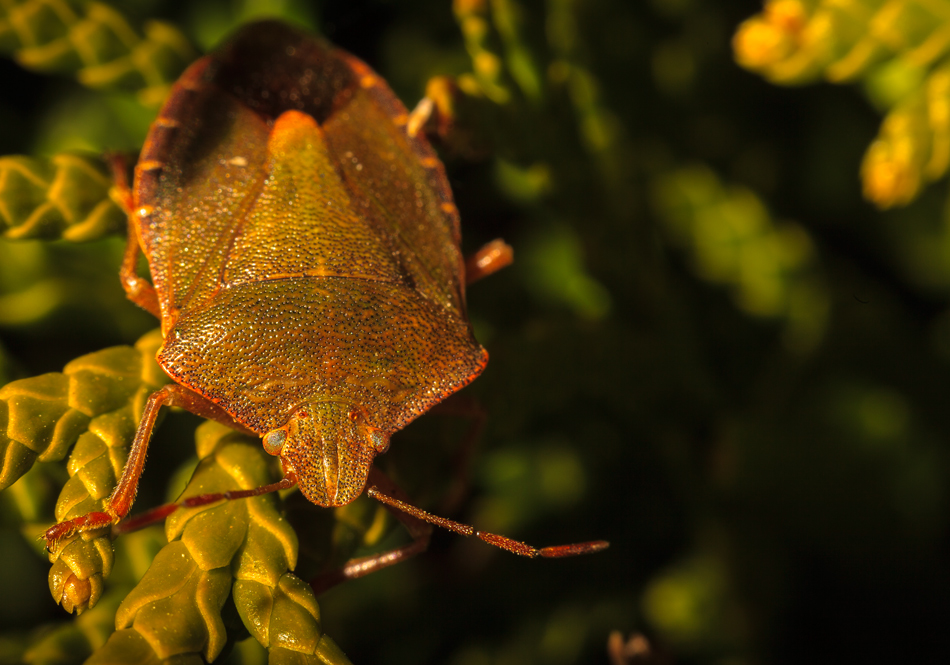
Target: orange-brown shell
302 246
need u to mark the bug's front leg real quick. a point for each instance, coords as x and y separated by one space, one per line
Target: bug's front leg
454 118
119 503
435 114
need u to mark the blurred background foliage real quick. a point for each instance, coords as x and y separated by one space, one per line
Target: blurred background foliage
724 345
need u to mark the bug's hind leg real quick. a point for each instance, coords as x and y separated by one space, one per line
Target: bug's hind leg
466 407
138 289
420 531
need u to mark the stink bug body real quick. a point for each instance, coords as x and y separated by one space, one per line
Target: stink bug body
305 265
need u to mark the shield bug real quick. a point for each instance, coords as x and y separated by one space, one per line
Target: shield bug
305 265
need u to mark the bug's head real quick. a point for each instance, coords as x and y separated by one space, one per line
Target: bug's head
327 448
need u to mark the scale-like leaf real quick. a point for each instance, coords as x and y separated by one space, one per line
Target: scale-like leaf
96 43
65 196
246 544
95 404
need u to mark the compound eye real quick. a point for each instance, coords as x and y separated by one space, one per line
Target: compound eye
274 441
379 440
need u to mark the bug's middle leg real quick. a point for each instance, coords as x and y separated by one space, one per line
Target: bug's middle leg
137 289
489 259
420 531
